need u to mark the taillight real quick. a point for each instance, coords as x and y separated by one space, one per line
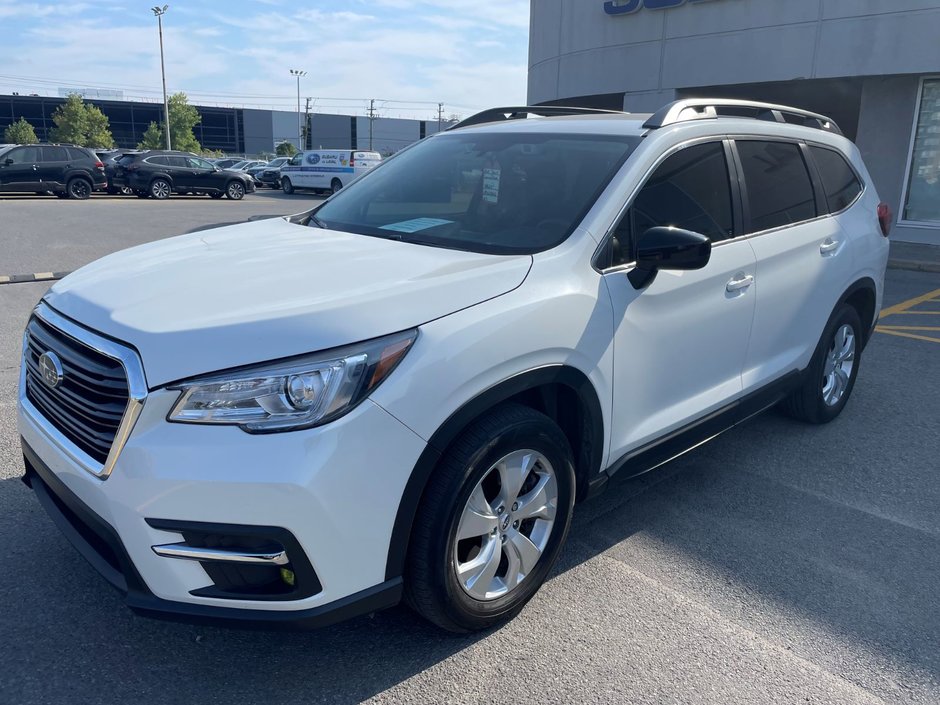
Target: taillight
99 165
885 218
352 161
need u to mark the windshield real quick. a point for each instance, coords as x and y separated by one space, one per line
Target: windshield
497 193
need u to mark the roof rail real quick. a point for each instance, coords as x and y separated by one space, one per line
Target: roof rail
520 112
710 108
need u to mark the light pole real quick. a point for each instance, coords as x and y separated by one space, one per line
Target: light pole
159 12
300 130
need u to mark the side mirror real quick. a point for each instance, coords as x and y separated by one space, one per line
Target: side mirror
668 248
8 161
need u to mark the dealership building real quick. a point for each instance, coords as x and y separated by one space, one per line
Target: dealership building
871 65
231 130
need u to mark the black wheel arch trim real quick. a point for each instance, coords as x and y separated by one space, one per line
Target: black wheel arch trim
564 375
863 284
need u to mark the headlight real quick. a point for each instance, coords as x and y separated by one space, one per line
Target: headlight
297 393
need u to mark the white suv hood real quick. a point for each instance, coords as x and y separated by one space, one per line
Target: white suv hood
261 291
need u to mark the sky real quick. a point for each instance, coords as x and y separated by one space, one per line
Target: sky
409 55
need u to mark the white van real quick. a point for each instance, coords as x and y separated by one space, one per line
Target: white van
326 169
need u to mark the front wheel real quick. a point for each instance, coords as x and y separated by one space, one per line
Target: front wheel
286 186
831 375
235 190
492 521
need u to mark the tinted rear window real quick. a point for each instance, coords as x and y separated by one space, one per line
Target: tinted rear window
77 154
779 190
55 154
838 178
127 159
157 161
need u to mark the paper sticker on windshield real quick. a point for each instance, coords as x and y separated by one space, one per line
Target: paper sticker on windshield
415 224
491 185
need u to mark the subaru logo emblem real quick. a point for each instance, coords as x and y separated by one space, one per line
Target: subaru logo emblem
50 367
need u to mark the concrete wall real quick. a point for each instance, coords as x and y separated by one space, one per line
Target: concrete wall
577 49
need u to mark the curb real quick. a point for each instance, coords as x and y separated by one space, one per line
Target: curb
27 278
914 265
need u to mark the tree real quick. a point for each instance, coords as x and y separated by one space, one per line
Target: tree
77 123
183 118
153 138
20 132
286 149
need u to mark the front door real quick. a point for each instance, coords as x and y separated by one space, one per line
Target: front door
19 170
679 343
203 176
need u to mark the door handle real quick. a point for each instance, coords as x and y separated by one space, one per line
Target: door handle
829 245
739 283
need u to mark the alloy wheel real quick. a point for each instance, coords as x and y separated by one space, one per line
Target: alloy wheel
505 525
837 369
235 191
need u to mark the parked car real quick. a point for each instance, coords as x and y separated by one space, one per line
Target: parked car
159 173
66 170
246 165
326 169
272 169
227 162
109 159
406 389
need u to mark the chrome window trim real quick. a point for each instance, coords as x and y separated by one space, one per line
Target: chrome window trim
136 385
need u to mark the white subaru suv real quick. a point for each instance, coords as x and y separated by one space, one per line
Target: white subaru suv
403 392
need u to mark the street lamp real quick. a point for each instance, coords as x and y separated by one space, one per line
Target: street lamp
300 130
159 12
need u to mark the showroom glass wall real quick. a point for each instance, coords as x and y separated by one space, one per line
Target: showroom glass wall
922 192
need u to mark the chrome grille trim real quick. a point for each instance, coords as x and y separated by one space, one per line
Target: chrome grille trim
136 386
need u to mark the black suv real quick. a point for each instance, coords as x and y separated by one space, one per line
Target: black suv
63 169
158 173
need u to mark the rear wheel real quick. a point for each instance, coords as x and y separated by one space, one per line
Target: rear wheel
492 521
160 189
78 188
286 186
235 190
336 185
831 375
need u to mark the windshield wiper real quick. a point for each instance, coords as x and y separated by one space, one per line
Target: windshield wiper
316 221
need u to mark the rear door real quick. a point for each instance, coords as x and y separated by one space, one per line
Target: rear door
19 169
803 264
53 165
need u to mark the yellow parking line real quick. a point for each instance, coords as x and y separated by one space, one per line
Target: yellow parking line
910 303
901 334
887 328
915 313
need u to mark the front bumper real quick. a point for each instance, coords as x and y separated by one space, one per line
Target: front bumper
335 494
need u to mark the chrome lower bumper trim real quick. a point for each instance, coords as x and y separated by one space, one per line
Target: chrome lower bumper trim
216 555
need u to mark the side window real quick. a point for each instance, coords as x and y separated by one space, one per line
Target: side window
195 163
779 190
78 155
179 162
297 159
55 154
24 155
689 190
839 180
157 161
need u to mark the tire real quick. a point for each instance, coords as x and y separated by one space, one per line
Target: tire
235 190
335 185
468 473
286 186
160 189
126 191
216 194
78 188
830 377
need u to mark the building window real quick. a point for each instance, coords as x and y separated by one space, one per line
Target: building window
923 191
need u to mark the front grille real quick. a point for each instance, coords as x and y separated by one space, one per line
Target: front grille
89 402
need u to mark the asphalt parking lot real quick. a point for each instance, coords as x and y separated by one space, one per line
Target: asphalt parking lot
781 563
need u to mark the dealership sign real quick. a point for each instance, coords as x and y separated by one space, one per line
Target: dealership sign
627 7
